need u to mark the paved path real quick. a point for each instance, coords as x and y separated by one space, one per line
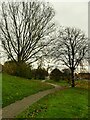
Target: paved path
14 109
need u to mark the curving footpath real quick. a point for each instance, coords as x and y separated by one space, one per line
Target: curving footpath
12 110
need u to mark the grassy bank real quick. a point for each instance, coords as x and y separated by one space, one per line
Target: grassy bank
78 83
16 88
61 82
0 90
68 103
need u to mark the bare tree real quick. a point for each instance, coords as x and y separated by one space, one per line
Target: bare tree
25 29
88 55
71 48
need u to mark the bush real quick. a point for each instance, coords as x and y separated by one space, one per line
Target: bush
21 69
56 75
67 74
1 68
84 76
39 73
10 67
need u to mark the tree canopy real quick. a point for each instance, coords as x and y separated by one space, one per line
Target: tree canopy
25 29
70 48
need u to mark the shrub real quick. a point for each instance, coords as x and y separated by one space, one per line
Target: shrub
84 76
21 69
56 74
1 68
66 74
39 73
66 71
10 67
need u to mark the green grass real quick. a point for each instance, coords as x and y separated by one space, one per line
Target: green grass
83 84
78 83
68 103
61 82
16 88
0 90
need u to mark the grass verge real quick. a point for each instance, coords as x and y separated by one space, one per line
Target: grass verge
61 82
16 88
68 103
78 83
0 90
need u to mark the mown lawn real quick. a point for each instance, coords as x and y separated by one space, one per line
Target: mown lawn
68 103
61 82
16 88
83 84
0 90
78 83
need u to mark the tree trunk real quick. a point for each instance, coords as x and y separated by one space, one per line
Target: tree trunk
18 58
72 78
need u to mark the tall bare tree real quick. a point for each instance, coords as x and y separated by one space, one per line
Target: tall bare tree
71 48
89 55
25 29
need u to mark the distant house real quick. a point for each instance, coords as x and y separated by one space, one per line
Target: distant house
0 67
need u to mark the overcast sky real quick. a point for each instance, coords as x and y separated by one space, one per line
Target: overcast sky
73 14
69 12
